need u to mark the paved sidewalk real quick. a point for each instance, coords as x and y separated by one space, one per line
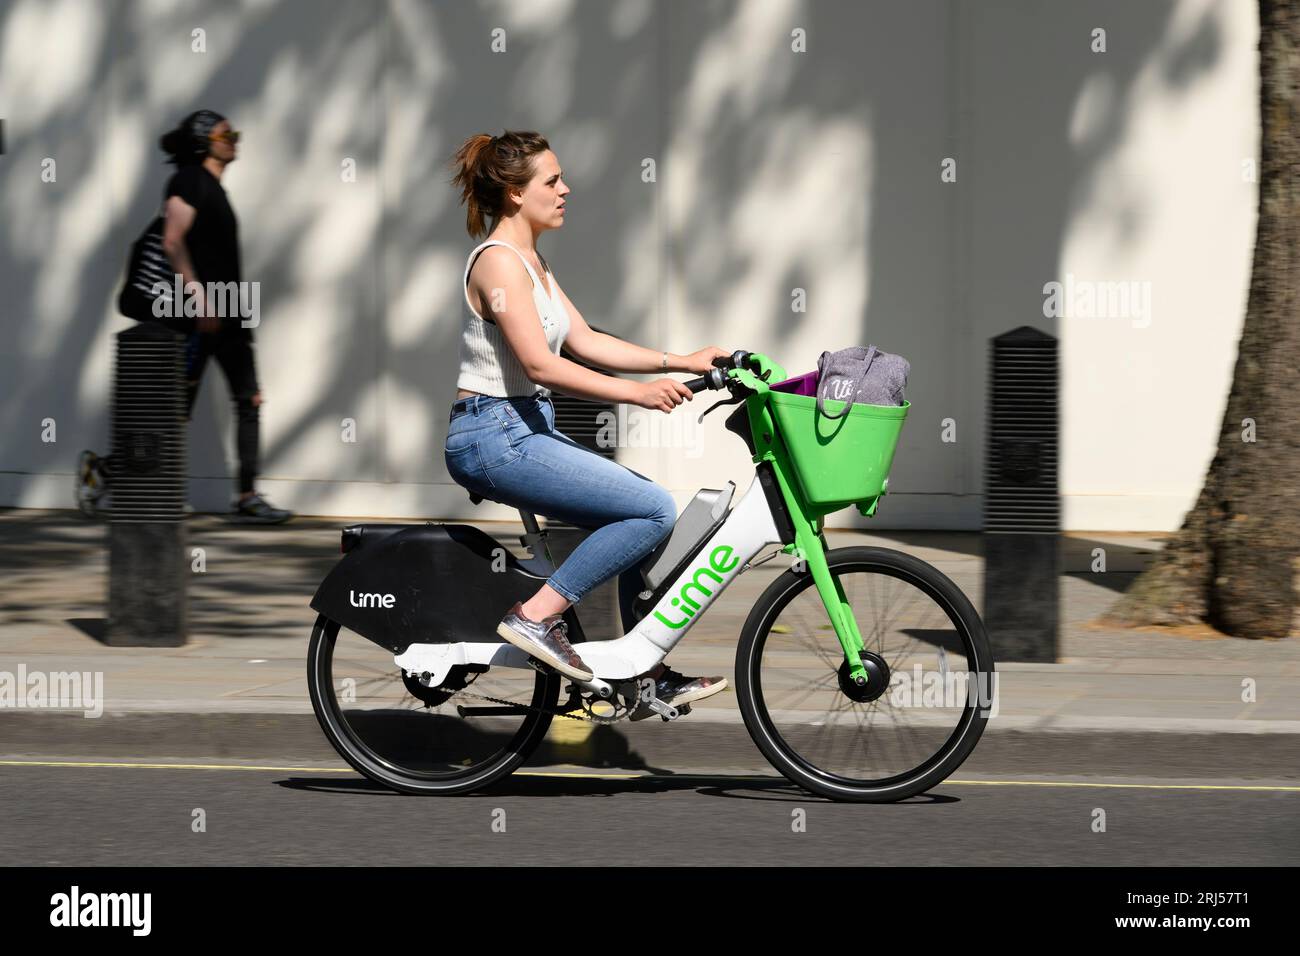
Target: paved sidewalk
249 624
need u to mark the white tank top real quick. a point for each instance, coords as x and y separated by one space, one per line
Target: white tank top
487 363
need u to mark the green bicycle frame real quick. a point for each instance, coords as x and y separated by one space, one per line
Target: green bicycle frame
809 543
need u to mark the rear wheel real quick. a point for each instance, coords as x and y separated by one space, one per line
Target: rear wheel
417 739
929 688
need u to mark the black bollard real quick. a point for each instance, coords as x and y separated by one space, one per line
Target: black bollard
1021 498
148 568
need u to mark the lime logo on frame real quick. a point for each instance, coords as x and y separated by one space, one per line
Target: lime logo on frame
370 600
721 560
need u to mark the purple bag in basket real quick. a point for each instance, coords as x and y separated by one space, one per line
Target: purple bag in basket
805 384
860 376
868 376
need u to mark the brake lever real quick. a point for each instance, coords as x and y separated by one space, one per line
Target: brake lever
739 392
726 401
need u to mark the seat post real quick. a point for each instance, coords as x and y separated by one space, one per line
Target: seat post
534 538
530 521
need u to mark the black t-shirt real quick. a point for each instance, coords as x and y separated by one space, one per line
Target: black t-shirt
213 239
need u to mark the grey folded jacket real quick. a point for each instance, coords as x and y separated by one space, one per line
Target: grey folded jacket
864 376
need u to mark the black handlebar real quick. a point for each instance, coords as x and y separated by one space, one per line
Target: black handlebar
714 378
717 377
737 359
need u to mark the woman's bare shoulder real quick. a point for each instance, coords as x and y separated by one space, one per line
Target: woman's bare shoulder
496 266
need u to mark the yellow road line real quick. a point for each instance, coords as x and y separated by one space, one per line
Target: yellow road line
577 775
1029 783
231 766
164 766
582 776
1119 786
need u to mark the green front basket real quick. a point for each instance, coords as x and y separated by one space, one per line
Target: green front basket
838 461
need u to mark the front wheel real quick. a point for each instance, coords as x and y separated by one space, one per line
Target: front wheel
476 727
929 689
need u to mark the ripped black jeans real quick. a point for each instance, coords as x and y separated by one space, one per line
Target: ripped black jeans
234 353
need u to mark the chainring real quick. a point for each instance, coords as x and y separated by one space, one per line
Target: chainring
612 710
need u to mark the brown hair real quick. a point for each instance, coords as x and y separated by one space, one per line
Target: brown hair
486 166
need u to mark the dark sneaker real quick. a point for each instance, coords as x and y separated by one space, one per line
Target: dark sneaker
257 510
678 690
547 640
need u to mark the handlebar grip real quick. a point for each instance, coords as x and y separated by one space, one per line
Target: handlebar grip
713 379
737 359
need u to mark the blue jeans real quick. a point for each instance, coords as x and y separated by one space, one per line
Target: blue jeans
508 449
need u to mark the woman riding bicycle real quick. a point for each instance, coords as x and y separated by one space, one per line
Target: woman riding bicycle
502 442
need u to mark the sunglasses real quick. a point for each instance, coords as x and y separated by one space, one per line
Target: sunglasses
230 136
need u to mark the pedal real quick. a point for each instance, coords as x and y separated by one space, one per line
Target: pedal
666 711
539 666
682 711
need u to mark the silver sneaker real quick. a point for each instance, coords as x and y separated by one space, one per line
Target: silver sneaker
547 640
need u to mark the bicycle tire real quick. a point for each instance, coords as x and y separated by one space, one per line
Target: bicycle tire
762 728
367 762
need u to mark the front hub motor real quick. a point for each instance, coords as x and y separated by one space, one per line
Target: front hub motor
877 678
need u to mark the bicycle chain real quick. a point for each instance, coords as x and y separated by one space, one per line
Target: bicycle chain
554 713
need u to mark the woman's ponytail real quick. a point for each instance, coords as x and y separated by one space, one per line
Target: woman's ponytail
175 143
487 166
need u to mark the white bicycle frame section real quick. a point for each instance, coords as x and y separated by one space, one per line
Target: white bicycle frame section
748 529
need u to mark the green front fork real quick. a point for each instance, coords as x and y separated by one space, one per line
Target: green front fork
808 545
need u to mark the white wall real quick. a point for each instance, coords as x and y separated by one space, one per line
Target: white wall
1171 202
776 170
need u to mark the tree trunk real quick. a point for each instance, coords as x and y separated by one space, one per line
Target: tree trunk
1234 562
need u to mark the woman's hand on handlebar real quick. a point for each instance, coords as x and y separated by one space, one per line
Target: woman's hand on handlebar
701 361
663 394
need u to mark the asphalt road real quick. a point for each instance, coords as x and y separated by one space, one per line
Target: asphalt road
138 815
